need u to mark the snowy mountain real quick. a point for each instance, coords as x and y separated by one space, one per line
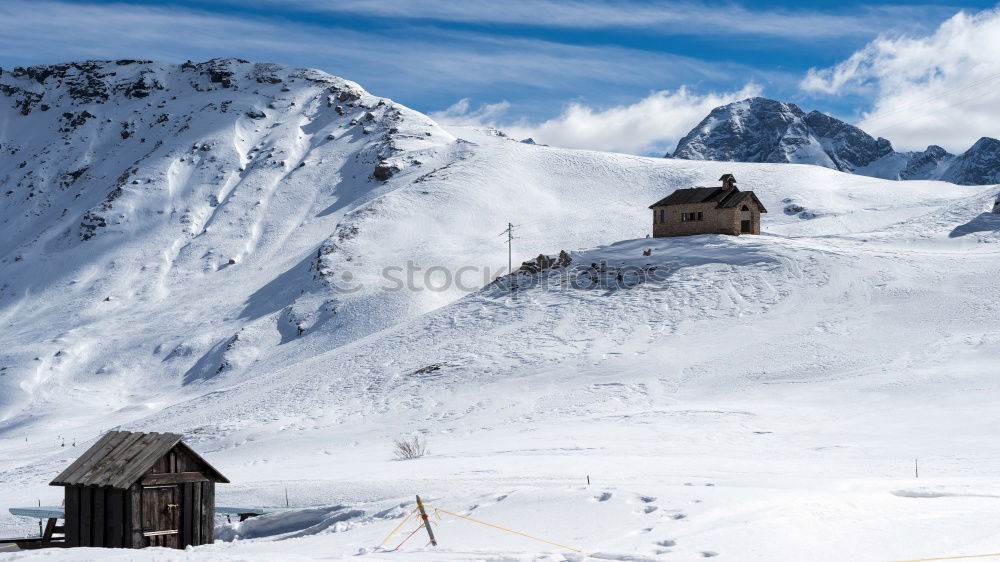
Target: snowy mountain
132 185
271 270
765 130
978 165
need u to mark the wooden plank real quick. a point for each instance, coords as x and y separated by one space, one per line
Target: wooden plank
198 515
43 512
102 470
113 517
103 458
81 464
141 462
204 465
186 462
175 478
86 515
207 512
160 465
123 459
127 519
50 527
97 526
135 516
187 503
221 510
145 461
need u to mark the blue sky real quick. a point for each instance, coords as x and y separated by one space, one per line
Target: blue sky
519 64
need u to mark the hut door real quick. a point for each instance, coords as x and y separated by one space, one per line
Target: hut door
746 224
161 516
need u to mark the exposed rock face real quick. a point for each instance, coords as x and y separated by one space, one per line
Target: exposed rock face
752 130
543 262
979 165
848 146
765 130
924 164
161 128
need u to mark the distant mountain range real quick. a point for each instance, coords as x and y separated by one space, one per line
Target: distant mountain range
766 130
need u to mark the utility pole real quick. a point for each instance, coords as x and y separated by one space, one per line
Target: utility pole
510 238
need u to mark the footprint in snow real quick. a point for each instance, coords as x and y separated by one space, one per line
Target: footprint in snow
709 554
679 516
649 509
605 496
666 542
647 499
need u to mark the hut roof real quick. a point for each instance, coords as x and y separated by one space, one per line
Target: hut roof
725 198
120 458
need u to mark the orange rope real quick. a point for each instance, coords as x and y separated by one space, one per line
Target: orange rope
955 557
503 528
398 527
408 537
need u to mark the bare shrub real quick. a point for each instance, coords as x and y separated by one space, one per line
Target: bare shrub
412 447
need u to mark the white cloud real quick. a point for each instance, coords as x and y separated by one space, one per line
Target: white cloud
460 114
651 125
409 66
942 88
684 17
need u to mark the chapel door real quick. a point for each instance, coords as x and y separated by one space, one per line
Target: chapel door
746 221
161 516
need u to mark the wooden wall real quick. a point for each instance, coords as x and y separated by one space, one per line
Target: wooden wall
197 513
96 517
105 517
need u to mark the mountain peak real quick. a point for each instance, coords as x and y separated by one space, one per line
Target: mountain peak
977 166
985 143
761 129
765 130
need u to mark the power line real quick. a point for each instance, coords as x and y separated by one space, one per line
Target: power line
946 93
953 104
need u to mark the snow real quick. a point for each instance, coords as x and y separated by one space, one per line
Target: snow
746 398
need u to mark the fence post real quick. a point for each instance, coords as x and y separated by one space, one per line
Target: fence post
427 522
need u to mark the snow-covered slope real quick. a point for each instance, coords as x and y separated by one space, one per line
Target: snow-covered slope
763 130
204 200
750 397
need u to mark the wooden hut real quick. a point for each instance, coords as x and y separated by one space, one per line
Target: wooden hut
133 490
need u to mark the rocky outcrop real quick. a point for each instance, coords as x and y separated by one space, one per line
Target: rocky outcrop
848 146
543 262
926 163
